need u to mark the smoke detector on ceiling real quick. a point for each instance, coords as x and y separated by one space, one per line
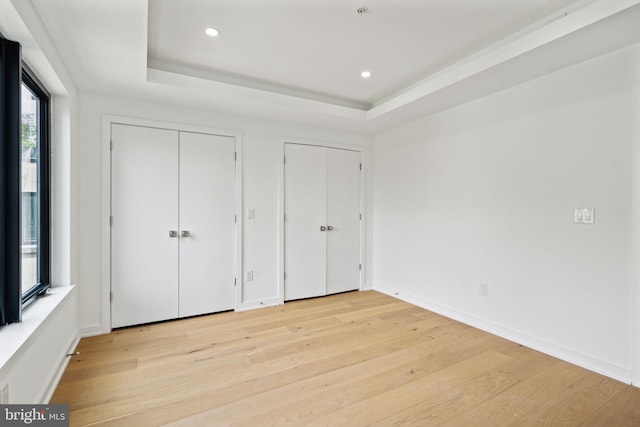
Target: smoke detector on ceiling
362 10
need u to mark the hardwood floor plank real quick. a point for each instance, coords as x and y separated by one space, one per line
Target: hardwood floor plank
359 358
377 407
520 403
577 402
319 384
622 410
471 393
305 408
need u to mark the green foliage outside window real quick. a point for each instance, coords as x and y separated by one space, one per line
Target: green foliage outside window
29 131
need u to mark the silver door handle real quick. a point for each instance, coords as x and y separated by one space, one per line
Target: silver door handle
323 228
330 227
185 233
173 233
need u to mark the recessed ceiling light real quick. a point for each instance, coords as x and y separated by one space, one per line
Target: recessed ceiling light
365 74
212 32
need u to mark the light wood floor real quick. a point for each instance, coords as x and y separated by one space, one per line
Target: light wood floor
353 359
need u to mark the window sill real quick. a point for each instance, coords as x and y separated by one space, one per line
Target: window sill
17 335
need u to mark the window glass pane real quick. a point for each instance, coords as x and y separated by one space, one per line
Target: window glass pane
29 188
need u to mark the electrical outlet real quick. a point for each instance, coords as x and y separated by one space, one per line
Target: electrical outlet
4 395
249 275
484 289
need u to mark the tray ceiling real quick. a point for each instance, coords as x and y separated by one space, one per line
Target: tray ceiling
302 60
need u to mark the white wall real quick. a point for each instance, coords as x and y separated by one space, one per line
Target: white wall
32 354
635 234
262 162
485 193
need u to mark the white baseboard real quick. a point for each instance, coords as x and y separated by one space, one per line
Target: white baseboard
91 331
574 357
366 287
252 305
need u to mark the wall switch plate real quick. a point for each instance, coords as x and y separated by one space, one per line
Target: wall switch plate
249 275
584 216
484 289
251 213
577 216
4 394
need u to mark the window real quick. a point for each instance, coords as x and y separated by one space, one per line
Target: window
34 187
24 185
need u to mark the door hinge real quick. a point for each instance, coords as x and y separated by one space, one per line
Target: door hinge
235 156
110 296
285 160
111 221
111 145
284 276
235 218
360 166
360 217
235 281
359 266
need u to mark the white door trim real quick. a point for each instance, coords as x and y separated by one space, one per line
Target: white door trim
299 141
107 121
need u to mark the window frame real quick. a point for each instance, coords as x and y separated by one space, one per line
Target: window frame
13 72
10 141
30 80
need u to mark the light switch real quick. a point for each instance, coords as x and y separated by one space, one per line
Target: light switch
584 216
249 275
577 216
588 216
251 213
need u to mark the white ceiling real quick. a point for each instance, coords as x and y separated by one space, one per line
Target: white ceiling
300 60
319 47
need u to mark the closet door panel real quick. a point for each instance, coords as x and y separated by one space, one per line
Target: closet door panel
144 207
305 212
207 209
343 217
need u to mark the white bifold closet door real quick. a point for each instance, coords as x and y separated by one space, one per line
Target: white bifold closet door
322 221
173 224
343 215
144 207
207 215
